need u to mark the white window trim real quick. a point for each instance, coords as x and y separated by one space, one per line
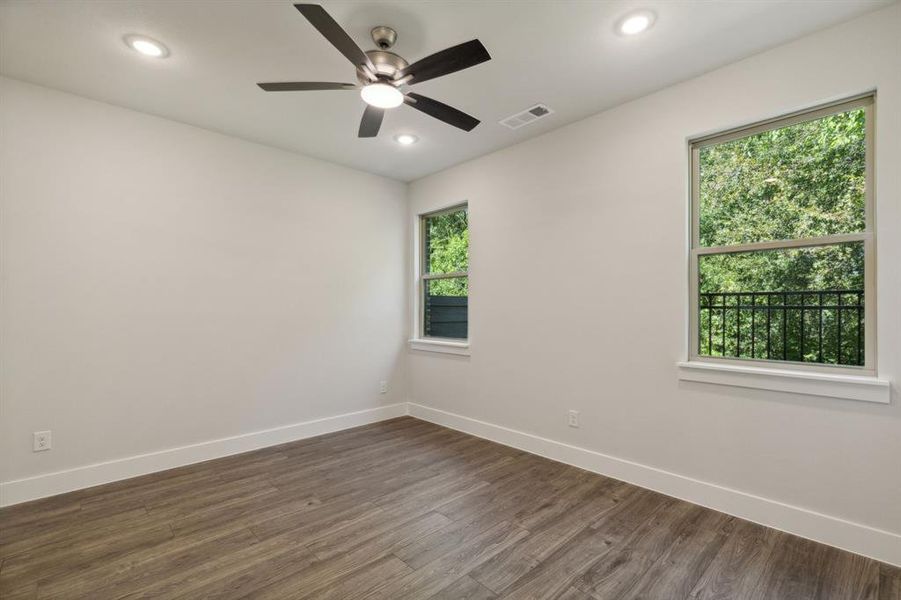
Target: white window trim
847 382
442 346
420 342
814 383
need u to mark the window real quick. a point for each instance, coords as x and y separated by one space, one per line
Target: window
444 276
782 253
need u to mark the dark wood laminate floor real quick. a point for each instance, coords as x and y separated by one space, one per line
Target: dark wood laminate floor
406 509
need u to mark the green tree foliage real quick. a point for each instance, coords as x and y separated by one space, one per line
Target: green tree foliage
804 180
447 251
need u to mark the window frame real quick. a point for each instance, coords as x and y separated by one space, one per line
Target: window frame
867 236
423 276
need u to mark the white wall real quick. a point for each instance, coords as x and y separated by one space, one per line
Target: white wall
579 290
163 285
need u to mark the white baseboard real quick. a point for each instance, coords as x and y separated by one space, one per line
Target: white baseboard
51 484
875 543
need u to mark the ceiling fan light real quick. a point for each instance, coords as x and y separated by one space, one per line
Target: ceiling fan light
382 95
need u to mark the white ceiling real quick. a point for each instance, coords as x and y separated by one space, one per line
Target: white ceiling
559 52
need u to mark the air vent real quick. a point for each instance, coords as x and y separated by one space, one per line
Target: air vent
530 115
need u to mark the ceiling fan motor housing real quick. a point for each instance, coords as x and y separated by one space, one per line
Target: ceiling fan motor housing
386 65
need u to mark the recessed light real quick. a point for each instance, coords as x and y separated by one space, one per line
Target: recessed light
635 23
382 95
147 46
405 139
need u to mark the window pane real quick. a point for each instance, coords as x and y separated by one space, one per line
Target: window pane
804 180
447 242
446 307
798 304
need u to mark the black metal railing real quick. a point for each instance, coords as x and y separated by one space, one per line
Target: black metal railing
823 326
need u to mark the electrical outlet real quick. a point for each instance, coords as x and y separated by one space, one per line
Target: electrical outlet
42 441
383 387
573 418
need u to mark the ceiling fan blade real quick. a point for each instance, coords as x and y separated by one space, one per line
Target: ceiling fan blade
371 122
305 86
334 33
442 112
451 60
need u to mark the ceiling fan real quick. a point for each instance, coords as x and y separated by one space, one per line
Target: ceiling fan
382 74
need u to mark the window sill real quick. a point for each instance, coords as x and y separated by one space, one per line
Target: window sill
441 346
847 387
